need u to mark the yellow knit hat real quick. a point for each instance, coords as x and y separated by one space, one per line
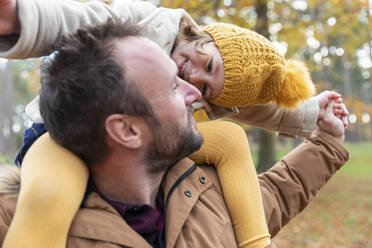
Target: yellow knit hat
255 73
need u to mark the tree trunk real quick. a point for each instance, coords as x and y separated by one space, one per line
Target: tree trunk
266 153
7 142
9 110
262 24
369 10
2 96
348 91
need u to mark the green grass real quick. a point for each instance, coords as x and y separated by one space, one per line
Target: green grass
339 216
5 160
360 162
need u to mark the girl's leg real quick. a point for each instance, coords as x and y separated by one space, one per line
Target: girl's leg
226 146
53 183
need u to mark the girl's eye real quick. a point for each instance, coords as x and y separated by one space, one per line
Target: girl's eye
209 67
204 89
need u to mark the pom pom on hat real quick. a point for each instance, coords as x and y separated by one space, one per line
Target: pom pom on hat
297 85
255 72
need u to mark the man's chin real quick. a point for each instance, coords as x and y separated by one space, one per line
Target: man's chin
167 148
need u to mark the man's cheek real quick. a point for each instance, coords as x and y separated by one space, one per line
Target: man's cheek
191 120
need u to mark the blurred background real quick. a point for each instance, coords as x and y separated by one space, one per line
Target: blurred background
334 38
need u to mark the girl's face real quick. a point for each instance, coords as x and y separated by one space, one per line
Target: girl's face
204 71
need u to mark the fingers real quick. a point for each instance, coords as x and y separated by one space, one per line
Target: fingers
337 110
331 95
340 109
337 107
345 121
329 112
326 96
330 108
344 109
341 112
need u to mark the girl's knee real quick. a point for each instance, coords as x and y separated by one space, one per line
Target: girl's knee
224 132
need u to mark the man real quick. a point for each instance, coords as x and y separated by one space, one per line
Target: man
114 98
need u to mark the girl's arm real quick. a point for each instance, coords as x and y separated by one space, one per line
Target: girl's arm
297 122
42 23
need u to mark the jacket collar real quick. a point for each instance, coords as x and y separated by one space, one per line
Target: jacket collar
100 221
183 198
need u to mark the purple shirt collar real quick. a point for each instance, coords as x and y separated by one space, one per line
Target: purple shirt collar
142 218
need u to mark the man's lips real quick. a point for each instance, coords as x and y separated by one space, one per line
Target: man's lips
181 69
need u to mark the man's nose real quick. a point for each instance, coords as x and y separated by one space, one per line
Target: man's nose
191 94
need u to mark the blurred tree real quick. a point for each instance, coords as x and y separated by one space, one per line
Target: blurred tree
333 37
19 81
266 152
7 144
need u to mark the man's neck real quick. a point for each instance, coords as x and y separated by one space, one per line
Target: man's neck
127 181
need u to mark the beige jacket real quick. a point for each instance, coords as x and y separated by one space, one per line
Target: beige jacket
43 22
200 219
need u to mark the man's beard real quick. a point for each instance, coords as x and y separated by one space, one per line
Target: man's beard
171 143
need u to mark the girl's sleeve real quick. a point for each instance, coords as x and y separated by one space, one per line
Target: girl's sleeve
298 122
44 22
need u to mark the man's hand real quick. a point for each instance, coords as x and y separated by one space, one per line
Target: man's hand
339 109
9 22
331 123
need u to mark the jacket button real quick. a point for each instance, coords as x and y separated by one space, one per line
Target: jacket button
202 180
188 193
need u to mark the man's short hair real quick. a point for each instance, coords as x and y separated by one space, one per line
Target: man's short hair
83 84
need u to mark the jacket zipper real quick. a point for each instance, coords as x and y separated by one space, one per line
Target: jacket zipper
163 242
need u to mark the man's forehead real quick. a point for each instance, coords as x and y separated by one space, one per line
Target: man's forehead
139 49
145 61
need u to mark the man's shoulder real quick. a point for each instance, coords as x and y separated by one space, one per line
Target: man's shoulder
10 180
9 188
7 209
208 171
211 172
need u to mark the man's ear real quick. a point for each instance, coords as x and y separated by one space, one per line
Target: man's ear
124 130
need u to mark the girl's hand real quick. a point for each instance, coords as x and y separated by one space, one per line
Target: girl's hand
331 123
339 109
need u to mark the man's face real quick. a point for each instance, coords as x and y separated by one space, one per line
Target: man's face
155 75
